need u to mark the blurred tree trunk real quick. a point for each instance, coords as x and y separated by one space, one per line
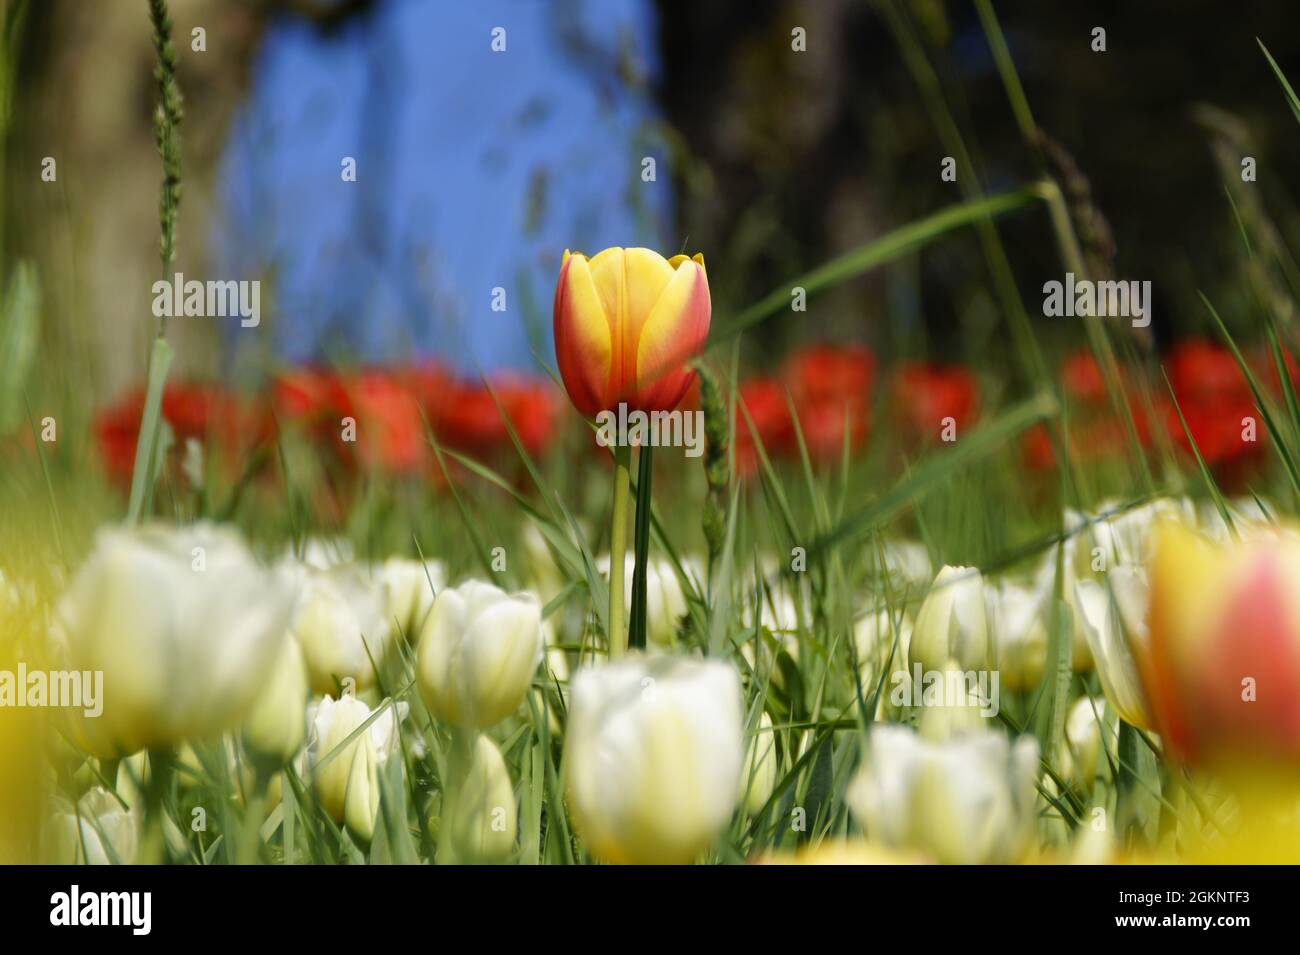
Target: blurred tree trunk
85 96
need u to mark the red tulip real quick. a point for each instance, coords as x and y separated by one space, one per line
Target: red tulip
765 401
925 394
831 388
472 422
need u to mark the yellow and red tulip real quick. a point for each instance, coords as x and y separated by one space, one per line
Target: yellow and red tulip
1222 670
626 323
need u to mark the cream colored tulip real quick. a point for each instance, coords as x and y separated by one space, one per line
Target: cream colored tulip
100 831
347 786
665 601
1019 634
758 778
185 626
342 627
407 589
1123 538
908 562
276 726
952 623
653 757
957 709
1117 667
478 651
1082 743
883 636
970 799
481 818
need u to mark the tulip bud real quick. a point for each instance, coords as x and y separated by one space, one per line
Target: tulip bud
477 654
1117 666
1246 513
653 757
1122 538
1045 583
1019 634
626 323
546 578
100 831
968 800
874 642
347 786
952 623
183 624
958 710
341 627
908 562
665 603
480 815
276 725
1222 674
407 589
1082 741
758 778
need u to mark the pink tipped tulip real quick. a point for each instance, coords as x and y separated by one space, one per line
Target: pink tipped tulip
1222 670
627 321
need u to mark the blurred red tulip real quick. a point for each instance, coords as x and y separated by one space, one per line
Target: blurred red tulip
1200 369
470 420
200 411
310 396
1217 403
1082 379
831 373
831 388
390 431
925 394
765 401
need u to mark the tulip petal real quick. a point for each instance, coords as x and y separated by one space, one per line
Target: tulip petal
673 332
583 341
1184 565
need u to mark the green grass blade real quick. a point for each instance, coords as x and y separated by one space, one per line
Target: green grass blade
902 241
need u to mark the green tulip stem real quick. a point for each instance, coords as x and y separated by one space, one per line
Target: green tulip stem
460 755
618 549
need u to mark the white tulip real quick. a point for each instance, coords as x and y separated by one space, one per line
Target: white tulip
106 833
952 706
970 799
1019 634
478 651
1082 743
1116 665
480 816
908 562
653 757
407 589
874 642
348 785
276 726
323 553
185 627
952 623
1246 512
758 778
1045 582
545 576
1123 538
342 627
665 602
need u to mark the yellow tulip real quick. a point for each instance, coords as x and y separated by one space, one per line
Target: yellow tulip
626 323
